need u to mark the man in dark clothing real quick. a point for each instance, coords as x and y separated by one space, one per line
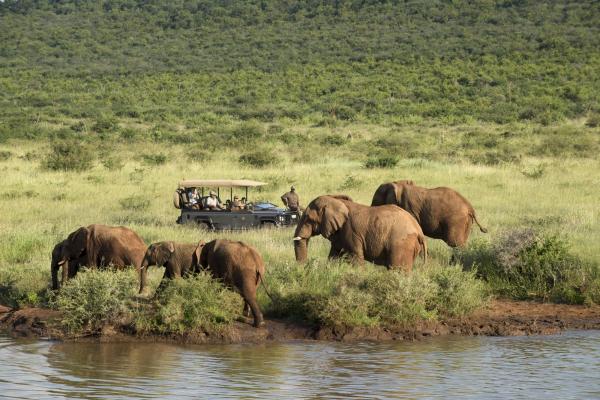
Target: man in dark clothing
291 200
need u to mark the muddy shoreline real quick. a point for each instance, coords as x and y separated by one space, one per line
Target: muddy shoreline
499 318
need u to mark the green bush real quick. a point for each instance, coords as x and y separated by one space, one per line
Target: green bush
259 158
381 162
69 156
199 155
593 120
154 159
135 203
5 155
94 298
526 264
182 305
105 125
24 286
113 163
337 294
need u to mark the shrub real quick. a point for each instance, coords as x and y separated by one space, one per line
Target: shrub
154 159
5 155
198 302
135 203
69 156
336 294
259 158
535 172
351 182
113 163
105 125
94 298
381 162
333 140
526 264
593 120
23 286
199 155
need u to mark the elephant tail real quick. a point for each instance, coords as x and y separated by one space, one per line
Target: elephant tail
423 243
259 277
481 228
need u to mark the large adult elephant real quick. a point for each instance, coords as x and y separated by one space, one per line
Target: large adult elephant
443 213
96 246
385 235
239 266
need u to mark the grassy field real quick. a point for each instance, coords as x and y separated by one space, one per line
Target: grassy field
124 185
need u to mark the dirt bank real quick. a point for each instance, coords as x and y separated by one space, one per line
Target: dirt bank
500 318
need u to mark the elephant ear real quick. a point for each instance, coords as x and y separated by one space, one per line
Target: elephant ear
78 242
171 247
198 252
335 215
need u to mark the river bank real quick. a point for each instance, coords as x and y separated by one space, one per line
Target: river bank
499 318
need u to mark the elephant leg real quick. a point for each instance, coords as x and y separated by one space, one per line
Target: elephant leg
334 252
65 273
457 235
249 295
247 310
402 256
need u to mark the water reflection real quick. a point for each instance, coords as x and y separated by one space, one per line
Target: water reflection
564 366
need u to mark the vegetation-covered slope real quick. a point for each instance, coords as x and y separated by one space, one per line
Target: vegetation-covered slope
372 61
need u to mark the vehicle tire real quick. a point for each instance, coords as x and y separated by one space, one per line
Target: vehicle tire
267 225
204 226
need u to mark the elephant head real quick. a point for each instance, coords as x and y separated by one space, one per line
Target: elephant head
74 247
201 257
392 193
156 254
324 216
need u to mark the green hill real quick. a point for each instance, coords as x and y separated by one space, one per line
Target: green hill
384 62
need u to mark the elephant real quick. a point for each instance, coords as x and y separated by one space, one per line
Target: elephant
178 259
239 266
96 246
443 213
384 235
71 271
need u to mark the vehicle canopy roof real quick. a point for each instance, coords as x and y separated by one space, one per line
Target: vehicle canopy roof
190 183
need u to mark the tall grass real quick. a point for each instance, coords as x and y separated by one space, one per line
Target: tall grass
39 207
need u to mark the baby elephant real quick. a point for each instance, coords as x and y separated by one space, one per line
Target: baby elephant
178 259
239 266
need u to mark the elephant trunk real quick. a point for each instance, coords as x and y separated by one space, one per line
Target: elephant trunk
54 271
143 274
301 249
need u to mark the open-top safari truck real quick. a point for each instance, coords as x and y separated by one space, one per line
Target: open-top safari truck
196 198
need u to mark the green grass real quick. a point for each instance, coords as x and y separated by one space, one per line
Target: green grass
39 207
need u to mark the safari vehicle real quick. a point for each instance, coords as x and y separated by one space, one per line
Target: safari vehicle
250 215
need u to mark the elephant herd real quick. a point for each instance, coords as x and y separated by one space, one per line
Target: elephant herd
391 232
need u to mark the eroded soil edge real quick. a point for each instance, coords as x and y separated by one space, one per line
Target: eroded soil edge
499 318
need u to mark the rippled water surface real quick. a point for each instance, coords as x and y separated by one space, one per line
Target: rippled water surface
563 366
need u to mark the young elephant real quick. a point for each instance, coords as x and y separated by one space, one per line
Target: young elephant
178 259
239 266
385 235
96 246
442 213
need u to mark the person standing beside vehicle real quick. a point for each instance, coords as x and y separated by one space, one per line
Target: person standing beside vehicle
291 200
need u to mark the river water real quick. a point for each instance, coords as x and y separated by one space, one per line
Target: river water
554 367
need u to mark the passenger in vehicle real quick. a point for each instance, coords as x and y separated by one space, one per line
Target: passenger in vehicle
212 202
193 199
237 205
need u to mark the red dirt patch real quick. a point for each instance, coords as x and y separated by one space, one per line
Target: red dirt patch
499 318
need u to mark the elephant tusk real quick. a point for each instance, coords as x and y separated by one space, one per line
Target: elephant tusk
60 263
297 238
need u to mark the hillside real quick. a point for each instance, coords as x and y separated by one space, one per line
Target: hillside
208 62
